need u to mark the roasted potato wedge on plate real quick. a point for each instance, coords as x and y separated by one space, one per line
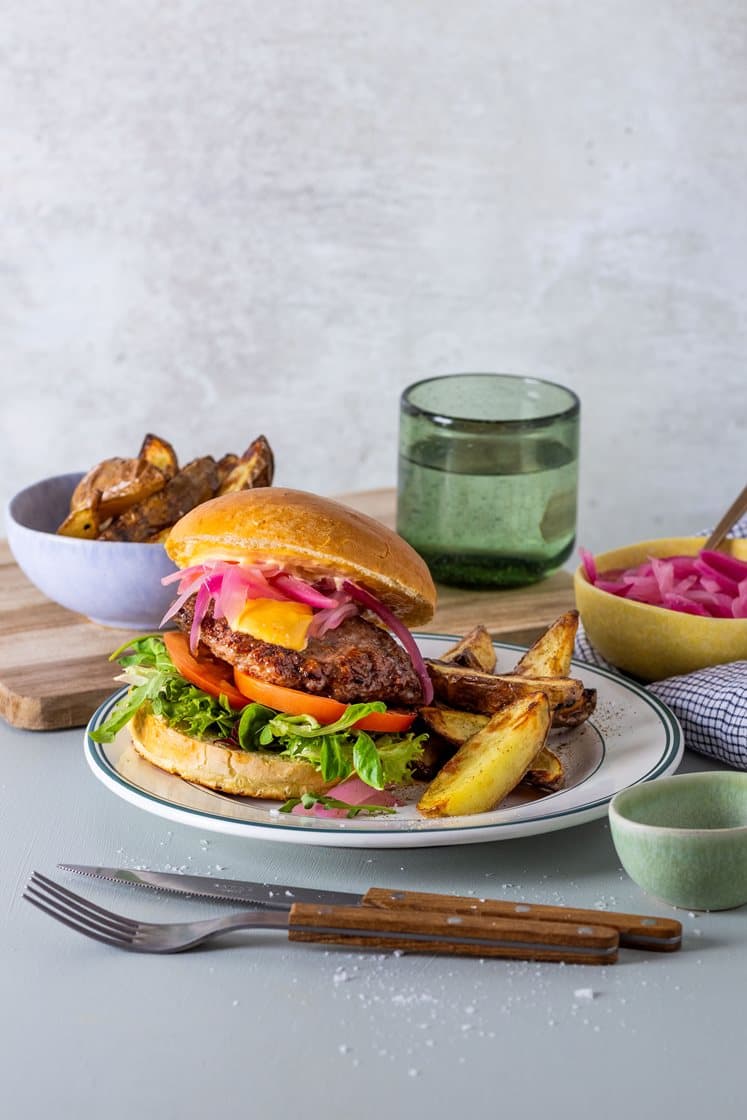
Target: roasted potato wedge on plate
487 692
474 651
492 762
551 654
455 728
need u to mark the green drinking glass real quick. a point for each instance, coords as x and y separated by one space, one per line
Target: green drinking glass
488 477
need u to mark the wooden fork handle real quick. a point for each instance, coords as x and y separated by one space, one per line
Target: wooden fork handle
638 931
426 931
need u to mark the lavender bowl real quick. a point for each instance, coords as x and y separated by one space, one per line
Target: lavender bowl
114 583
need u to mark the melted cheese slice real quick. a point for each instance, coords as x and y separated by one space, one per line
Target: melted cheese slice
282 624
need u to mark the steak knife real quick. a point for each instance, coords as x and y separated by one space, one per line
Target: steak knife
636 931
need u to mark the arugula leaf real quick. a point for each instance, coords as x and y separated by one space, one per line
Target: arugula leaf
309 800
251 727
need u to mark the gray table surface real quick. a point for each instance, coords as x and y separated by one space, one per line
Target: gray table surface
267 1027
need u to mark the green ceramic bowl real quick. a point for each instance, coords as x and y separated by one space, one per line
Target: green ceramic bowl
684 838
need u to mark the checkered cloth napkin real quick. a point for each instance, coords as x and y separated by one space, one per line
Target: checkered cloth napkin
711 704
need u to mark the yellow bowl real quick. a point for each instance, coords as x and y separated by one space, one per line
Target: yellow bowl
649 642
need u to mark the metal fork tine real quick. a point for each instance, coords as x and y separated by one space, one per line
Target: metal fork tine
84 920
77 902
88 931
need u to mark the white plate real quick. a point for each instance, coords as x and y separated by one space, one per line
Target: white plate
632 737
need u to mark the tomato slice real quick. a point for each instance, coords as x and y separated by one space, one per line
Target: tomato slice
297 703
207 673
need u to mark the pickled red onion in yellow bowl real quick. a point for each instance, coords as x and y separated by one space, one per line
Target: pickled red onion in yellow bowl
654 642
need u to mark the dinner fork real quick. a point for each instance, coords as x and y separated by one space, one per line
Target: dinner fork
362 927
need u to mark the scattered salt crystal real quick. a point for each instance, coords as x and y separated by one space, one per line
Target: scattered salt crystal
344 1048
697 933
585 993
340 976
398 953
412 1072
469 1010
235 1003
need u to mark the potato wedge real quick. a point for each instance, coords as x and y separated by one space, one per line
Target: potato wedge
256 467
474 651
572 715
551 654
491 763
85 522
475 691
454 728
193 484
546 772
159 453
159 537
452 725
121 484
224 466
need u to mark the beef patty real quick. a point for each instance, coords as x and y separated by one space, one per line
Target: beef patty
357 661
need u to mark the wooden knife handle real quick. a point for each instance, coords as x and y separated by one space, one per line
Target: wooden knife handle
429 931
638 931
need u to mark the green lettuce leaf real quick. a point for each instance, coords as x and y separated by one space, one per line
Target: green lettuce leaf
336 749
154 680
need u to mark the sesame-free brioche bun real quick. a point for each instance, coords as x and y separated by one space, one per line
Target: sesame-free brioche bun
249 773
311 537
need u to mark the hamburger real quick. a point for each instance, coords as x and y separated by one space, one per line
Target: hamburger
292 668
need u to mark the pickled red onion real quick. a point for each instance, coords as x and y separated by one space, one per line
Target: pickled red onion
353 791
711 584
303 592
229 585
366 599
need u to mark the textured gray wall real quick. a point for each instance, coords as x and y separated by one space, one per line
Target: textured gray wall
225 218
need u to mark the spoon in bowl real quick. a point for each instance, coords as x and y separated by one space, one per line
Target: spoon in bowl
736 510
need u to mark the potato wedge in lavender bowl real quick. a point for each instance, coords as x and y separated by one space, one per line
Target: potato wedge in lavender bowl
114 583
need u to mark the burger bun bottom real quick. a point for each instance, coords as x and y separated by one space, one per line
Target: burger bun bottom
260 774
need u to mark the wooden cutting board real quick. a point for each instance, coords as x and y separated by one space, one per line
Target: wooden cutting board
54 667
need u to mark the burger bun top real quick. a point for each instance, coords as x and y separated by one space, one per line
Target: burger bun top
310 537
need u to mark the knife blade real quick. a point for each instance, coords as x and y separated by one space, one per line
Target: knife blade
227 890
636 931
